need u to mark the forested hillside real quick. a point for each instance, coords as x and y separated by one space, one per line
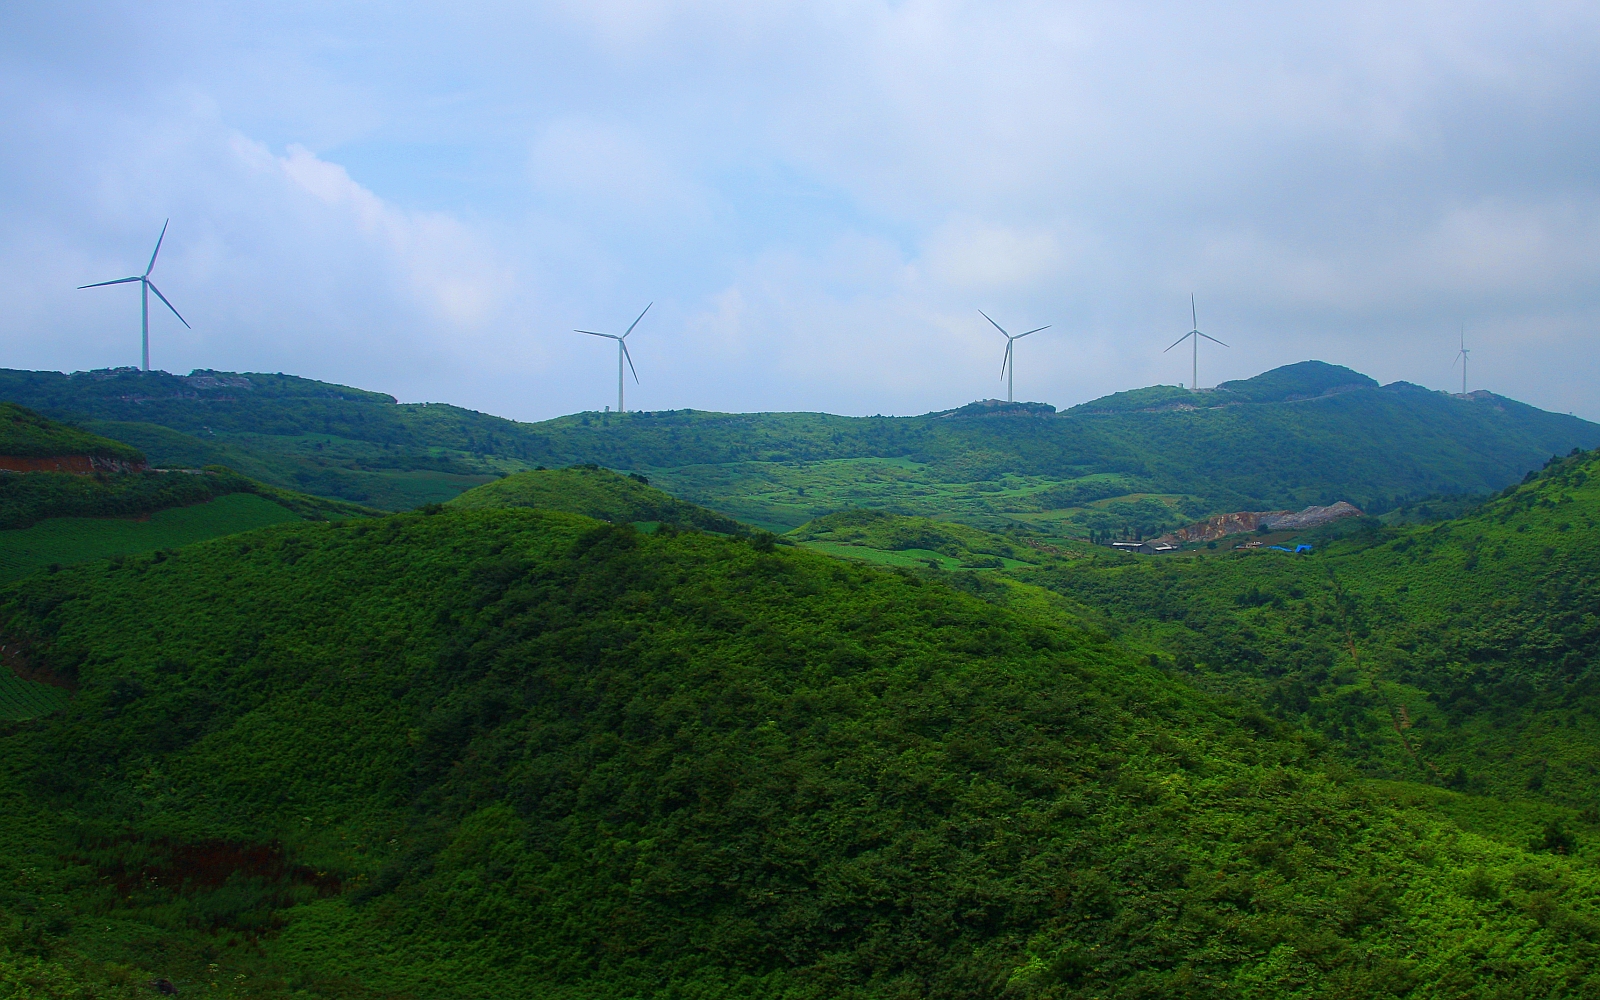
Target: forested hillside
1141 461
518 753
1476 639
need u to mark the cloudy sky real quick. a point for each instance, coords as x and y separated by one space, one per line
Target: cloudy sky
817 196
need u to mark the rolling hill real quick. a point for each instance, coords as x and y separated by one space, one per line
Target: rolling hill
1145 460
523 753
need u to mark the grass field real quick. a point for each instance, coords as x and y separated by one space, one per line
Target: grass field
783 495
20 699
67 540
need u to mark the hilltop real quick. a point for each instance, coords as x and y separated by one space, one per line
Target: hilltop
1145 461
598 493
523 753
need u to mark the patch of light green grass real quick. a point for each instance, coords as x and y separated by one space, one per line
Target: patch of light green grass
903 557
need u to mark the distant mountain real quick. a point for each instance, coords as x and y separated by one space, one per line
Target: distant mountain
1144 460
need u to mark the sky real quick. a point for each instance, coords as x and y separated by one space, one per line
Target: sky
816 198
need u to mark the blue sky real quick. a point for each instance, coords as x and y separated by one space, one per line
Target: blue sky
818 197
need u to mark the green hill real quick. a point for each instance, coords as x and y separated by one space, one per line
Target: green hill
597 493
1152 458
521 753
1477 637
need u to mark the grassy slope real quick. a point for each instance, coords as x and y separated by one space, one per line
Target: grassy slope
872 535
597 493
1251 445
548 757
25 433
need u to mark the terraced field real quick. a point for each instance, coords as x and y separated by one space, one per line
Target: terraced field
67 540
20 699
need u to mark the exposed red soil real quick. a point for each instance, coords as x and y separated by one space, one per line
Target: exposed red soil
81 464
14 654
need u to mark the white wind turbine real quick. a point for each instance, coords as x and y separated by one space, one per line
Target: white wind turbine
622 352
1194 334
146 286
1461 356
1008 366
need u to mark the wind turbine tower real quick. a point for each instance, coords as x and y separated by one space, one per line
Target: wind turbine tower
1195 336
146 286
1461 356
622 353
1008 367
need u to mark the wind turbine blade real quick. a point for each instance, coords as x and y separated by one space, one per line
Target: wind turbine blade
609 336
157 249
1181 339
625 354
997 326
635 322
1194 317
1007 359
163 298
119 281
1021 335
1211 338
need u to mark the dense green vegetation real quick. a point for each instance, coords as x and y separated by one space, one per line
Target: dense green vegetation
597 493
512 746
523 753
1145 460
26 434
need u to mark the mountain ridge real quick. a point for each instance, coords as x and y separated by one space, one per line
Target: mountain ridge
1146 459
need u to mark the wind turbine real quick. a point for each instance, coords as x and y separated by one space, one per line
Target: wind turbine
1009 364
1461 356
146 286
1195 334
622 352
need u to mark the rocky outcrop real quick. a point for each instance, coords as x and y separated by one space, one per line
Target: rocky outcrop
1313 517
1219 525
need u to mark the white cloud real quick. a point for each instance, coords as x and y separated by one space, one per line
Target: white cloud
817 196
450 268
968 254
